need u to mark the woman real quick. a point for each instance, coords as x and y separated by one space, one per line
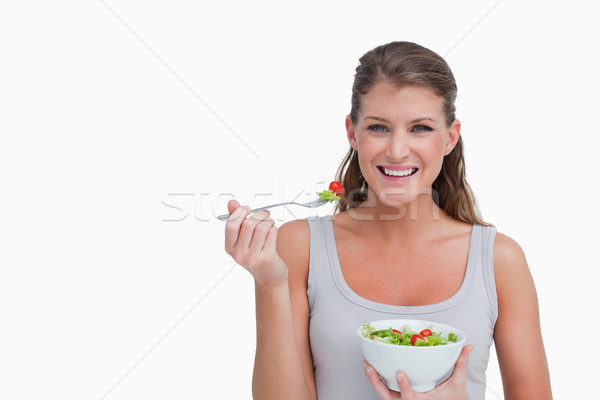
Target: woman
405 241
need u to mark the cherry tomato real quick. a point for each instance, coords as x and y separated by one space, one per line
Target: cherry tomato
425 332
399 333
336 188
416 337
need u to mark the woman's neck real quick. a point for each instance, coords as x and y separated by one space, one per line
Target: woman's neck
412 221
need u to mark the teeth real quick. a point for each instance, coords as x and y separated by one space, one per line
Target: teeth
398 173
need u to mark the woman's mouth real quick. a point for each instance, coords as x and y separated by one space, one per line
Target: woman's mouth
397 173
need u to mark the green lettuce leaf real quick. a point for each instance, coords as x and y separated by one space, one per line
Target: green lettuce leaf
328 195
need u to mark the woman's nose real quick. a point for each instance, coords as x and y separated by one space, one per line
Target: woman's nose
398 146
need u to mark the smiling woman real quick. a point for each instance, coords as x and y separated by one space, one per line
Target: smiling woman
406 241
415 69
400 155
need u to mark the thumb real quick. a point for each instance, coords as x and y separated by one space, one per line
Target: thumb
404 386
460 368
232 205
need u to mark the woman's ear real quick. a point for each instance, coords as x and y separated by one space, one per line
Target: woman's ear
453 136
350 133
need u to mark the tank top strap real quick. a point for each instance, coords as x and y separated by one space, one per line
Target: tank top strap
322 242
485 237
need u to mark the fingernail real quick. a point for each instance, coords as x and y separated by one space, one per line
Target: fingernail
369 372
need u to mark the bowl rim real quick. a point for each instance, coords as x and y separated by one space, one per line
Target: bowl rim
459 333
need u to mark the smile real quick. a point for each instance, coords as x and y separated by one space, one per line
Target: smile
398 173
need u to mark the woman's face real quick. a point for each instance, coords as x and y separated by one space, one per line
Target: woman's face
403 130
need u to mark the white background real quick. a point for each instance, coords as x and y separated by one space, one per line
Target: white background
127 126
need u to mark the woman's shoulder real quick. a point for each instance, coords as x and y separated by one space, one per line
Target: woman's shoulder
294 230
510 266
507 251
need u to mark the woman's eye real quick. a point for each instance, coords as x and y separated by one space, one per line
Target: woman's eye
377 128
422 128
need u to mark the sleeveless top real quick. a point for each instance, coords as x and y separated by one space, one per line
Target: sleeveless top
336 312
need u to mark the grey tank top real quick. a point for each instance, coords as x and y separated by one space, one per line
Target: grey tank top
336 312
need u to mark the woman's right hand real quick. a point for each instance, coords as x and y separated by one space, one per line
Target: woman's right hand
252 244
453 388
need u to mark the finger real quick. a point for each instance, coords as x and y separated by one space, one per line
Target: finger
460 368
404 385
232 205
260 215
232 227
382 391
270 245
260 235
247 229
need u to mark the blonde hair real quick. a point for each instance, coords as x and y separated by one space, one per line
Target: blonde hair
403 63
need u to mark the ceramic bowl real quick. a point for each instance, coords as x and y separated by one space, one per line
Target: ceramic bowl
422 365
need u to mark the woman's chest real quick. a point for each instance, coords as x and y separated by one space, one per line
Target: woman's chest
405 277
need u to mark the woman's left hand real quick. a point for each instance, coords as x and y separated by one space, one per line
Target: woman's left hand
454 388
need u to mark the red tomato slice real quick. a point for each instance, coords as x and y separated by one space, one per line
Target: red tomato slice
416 337
425 332
336 188
398 332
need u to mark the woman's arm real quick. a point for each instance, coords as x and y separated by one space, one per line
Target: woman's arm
254 243
283 366
517 335
293 245
278 370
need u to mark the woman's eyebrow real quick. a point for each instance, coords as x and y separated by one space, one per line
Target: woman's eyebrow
411 122
422 119
378 119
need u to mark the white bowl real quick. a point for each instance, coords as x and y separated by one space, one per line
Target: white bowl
422 365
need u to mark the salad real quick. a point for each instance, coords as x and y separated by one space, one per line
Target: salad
333 194
407 337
